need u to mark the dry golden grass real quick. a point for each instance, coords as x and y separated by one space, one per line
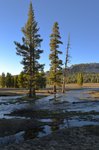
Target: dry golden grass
17 91
12 91
94 94
47 91
86 85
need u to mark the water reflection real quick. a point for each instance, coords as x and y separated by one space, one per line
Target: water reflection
16 138
69 101
8 104
40 131
34 132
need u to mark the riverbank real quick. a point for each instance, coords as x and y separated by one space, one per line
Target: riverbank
84 138
46 91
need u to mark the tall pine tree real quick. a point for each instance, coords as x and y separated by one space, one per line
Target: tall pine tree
21 80
56 63
8 80
80 79
3 80
30 50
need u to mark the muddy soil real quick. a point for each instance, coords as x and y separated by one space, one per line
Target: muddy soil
84 138
23 119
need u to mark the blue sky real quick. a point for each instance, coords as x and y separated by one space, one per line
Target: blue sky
79 17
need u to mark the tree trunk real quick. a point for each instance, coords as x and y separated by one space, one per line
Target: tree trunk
54 88
30 90
33 92
64 78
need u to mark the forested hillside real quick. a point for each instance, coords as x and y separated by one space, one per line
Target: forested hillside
90 73
85 68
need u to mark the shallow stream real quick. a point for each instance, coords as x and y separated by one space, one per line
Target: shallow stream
73 100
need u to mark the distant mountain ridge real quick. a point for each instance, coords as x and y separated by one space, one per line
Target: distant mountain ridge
85 68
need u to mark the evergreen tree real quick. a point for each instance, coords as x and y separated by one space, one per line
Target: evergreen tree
16 81
21 80
67 59
8 80
41 80
3 80
56 63
12 81
30 51
80 79
0 81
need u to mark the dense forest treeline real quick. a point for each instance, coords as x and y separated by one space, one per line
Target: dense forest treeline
73 78
43 79
21 80
90 73
87 78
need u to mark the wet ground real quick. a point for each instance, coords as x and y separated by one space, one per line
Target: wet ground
75 108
